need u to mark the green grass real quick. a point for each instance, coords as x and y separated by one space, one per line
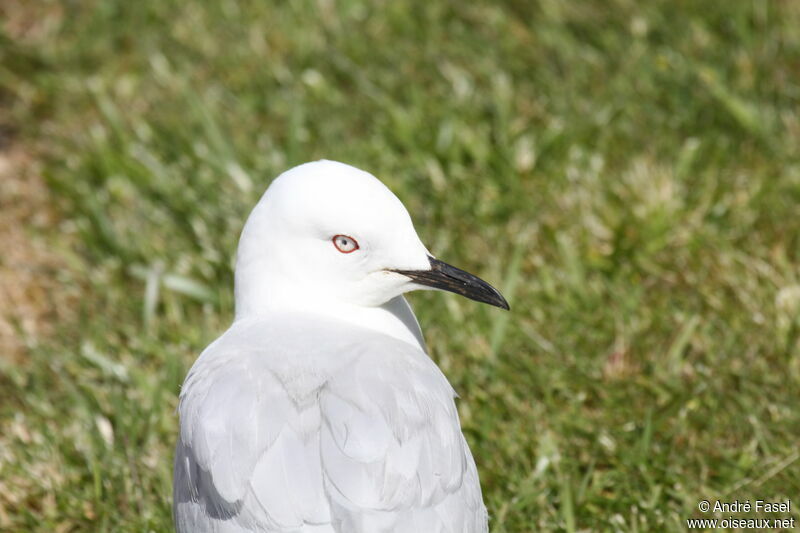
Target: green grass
628 173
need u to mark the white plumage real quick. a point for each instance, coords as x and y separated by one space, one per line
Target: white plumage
319 410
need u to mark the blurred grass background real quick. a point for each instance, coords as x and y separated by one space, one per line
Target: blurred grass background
626 172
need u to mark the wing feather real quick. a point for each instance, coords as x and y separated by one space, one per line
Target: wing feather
250 444
291 437
393 455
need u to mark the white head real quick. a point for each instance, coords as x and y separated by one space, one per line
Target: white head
328 232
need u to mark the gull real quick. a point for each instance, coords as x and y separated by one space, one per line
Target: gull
319 409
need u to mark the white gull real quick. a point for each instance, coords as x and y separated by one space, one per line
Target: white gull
319 410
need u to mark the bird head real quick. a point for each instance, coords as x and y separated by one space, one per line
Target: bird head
326 231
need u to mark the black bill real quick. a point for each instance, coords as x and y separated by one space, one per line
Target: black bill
449 278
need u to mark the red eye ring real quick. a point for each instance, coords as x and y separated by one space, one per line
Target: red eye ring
345 243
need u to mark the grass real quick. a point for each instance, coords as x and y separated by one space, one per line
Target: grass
628 174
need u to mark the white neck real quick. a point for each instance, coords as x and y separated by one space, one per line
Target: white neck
394 318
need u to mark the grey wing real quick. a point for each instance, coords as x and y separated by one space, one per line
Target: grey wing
247 457
376 446
393 455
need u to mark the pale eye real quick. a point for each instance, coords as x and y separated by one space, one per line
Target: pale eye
345 244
